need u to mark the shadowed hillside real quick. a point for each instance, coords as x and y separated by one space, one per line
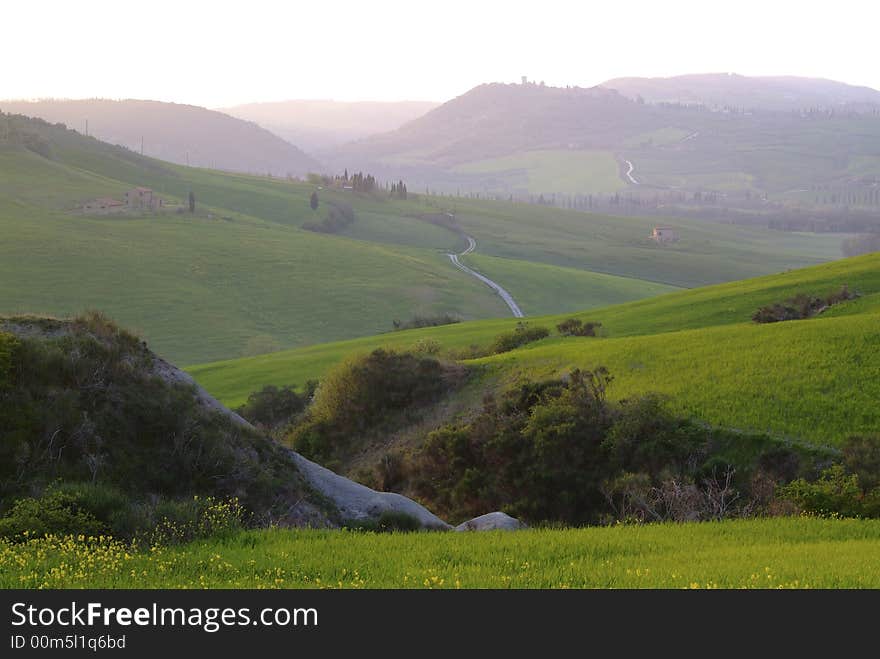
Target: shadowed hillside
183 134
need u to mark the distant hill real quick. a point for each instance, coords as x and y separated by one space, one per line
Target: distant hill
183 134
782 93
318 125
526 140
498 119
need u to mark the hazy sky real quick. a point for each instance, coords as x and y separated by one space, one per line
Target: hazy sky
227 52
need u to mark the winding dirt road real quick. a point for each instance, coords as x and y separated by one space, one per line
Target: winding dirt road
629 172
503 294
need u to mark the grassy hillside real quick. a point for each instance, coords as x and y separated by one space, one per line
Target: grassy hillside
560 171
706 253
813 379
241 276
537 287
766 553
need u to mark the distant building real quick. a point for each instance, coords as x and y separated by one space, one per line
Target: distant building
103 206
143 198
664 234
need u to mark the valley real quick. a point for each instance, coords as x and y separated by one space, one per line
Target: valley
535 336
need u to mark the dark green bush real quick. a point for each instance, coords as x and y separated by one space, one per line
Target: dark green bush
848 489
537 454
781 463
646 438
366 393
272 407
577 327
89 509
86 404
426 321
836 492
338 217
8 345
802 306
558 451
54 513
861 456
522 335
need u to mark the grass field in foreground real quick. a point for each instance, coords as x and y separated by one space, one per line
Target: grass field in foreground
758 553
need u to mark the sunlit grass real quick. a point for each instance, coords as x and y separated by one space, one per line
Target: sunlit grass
766 553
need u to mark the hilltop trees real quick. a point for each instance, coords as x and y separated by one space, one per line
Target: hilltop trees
398 190
362 183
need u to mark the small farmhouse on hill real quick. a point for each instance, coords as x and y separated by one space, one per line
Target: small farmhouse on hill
664 234
143 198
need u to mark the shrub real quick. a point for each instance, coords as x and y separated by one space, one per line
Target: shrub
54 513
426 321
273 407
834 493
366 392
646 438
390 473
536 454
577 327
558 451
861 456
90 510
88 404
473 351
8 345
801 306
426 346
338 217
185 520
361 391
522 335
781 463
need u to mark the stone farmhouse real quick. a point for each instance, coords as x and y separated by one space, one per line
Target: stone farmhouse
143 198
664 234
134 199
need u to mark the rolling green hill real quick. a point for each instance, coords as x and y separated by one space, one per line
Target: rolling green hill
813 379
241 276
559 171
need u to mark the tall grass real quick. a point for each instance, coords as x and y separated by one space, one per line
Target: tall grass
766 553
